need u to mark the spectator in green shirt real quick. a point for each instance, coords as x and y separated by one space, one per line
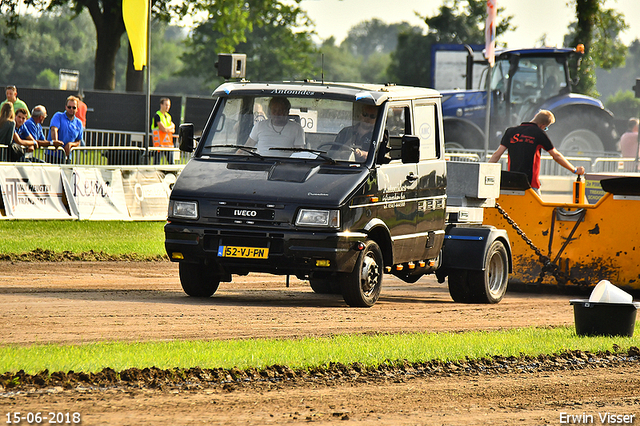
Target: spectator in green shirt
12 96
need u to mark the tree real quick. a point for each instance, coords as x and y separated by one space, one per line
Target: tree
373 37
274 50
109 26
599 31
48 43
336 63
458 21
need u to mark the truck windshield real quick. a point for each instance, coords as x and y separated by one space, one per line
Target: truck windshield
290 127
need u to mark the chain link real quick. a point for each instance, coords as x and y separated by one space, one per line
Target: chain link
548 266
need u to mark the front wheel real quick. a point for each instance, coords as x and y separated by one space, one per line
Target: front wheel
361 288
197 279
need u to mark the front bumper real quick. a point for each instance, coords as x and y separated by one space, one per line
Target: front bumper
290 252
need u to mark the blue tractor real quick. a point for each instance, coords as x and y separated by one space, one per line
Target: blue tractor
522 82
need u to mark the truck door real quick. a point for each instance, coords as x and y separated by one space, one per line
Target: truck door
397 183
431 190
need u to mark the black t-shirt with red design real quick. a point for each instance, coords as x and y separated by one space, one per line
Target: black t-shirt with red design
523 144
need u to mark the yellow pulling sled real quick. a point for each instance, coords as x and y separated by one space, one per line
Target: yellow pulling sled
571 244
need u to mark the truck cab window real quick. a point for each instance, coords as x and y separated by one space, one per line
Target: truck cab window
397 125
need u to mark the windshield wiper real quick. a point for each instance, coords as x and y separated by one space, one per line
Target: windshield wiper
319 153
249 149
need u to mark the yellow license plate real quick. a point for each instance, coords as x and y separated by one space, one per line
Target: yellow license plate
244 252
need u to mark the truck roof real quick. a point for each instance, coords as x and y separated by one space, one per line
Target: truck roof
367 93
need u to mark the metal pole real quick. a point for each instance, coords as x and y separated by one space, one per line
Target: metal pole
148 109
636 89
487 121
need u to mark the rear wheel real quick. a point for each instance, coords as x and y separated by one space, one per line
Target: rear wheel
492 282
577 136
361 288
197 279
488 286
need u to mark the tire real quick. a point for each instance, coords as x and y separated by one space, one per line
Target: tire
492 282
361 288
459 287
325 286
488 286
577 136
197 280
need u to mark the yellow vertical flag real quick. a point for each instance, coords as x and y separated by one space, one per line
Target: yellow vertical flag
135 14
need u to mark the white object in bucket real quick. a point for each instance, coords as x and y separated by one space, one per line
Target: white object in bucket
605 292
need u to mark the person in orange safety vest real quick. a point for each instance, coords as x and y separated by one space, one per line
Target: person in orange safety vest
163 129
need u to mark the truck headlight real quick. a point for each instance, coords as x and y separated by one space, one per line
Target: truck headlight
183 209
326 218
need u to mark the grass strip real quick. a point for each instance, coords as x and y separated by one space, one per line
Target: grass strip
145 239
370 350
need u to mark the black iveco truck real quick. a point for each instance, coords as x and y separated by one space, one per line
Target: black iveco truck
351 184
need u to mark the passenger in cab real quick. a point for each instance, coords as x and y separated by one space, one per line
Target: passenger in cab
358 136
278 131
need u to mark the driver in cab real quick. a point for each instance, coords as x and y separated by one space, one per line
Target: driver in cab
358 136
278 131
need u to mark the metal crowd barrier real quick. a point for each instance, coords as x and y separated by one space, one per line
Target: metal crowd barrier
615 165
463 157
549 167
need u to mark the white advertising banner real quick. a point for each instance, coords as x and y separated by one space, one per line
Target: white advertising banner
147 193
97 194
30 192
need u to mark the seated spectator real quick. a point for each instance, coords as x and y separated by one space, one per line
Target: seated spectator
66 128
32 129
21 148
7 124
12 96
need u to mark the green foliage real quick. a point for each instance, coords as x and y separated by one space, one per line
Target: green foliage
458 21
623 78
145 239
369 350
264 31
373 37
599 30
411 62
48 43
337 63
47 79
624 104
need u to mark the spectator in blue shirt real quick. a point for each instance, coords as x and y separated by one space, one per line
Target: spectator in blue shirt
32 129
66 128
19 148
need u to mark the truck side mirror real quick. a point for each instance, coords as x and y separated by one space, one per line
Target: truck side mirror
410 149
185 137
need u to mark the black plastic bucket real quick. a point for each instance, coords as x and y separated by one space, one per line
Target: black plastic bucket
604 319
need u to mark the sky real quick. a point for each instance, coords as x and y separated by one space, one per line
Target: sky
532 19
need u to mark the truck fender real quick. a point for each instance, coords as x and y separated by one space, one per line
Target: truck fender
378 231
467 247
461 133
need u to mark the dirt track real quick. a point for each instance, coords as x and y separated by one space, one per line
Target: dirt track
75 302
